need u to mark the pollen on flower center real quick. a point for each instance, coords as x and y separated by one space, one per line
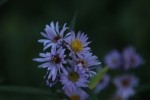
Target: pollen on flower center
76 45
56 59
75 97
126 83
73 76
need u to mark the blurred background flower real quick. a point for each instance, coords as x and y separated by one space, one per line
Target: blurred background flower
125 85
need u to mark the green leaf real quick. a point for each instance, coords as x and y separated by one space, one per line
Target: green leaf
73 21
94 81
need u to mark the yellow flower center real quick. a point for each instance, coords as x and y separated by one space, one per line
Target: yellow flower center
56 59
73 76
75 97
76 45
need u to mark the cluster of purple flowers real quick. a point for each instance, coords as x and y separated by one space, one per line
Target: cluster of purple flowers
69 60
125 83
127 60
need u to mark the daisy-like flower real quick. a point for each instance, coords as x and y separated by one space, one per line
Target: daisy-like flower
131 59
125 85
86 63
53 62
103 83
74 79
78 43
53 35
76 94
113 59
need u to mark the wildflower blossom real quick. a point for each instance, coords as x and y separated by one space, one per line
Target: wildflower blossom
125 85
69 61
53 62
86 63
113 59
131 59
53 35
76 94
74 79
78 43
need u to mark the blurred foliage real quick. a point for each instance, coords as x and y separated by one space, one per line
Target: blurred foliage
110 24
95 80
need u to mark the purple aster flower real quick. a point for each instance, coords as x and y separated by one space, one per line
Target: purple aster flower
78 43
125 85
74 79
53 35
76 94
86 63
131 59
103 83
53 62
113 59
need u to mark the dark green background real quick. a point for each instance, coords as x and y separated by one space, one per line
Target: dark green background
109 24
